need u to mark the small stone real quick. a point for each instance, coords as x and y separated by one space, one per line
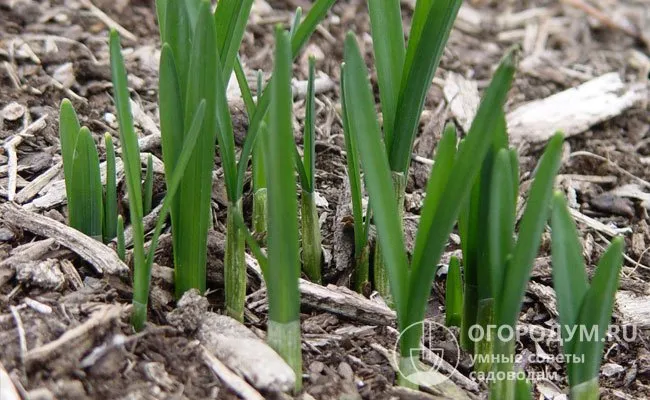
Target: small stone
13 111
610 369
345 371
189 312
6 235
316 367
44 274
110 118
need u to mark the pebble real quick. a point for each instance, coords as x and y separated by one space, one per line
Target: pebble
610 369
345 371
316 367
6 235
13 111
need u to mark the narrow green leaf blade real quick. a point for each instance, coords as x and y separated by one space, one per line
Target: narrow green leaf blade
178 37
438 178
500 219
464 172
230 19
195 190
416 80
148 186
317 12
390 51
110 200
364 125
309 144
596 312
569 276
86 212
354 173
530 233
68 133
174 181
453 294
282 205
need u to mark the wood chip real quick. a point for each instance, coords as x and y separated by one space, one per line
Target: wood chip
101 257
633 309
232 380
463 98
575 110
80 335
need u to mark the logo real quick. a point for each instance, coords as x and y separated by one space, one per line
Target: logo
437 344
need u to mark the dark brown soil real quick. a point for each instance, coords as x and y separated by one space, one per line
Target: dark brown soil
38 39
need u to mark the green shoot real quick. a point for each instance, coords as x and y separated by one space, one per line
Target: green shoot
404 80
311 237
451 178
453 294
148 186
198 55
580 304
85 202
510 268
361 244
282 278
110 197
132 171
121 245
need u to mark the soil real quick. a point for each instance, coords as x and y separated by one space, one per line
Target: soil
51 50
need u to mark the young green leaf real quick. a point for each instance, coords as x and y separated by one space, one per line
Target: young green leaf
389 49
121 245
453 294
364 125
283 293
148 186
309 144
500 219
230 19
569 275
178 37
110 200
596 313
68 133
463 174
417 76
132 172
86 214
530 234
194 193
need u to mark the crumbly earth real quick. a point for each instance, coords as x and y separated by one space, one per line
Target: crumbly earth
55 49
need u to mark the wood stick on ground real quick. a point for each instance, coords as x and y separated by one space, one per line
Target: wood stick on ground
232 380
100 256
31 190
104 315
10 147
125 33
7 389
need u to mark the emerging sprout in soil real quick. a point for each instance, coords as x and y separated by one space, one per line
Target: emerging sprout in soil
404 76
132 173
89 210
580 304
449 185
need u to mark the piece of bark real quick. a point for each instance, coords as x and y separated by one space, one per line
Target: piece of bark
100 256
76 340
233 344
35 186
28 252
339 301
574 110
232 380
463 98
343 247
53 194
7 389
633 309
243 352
